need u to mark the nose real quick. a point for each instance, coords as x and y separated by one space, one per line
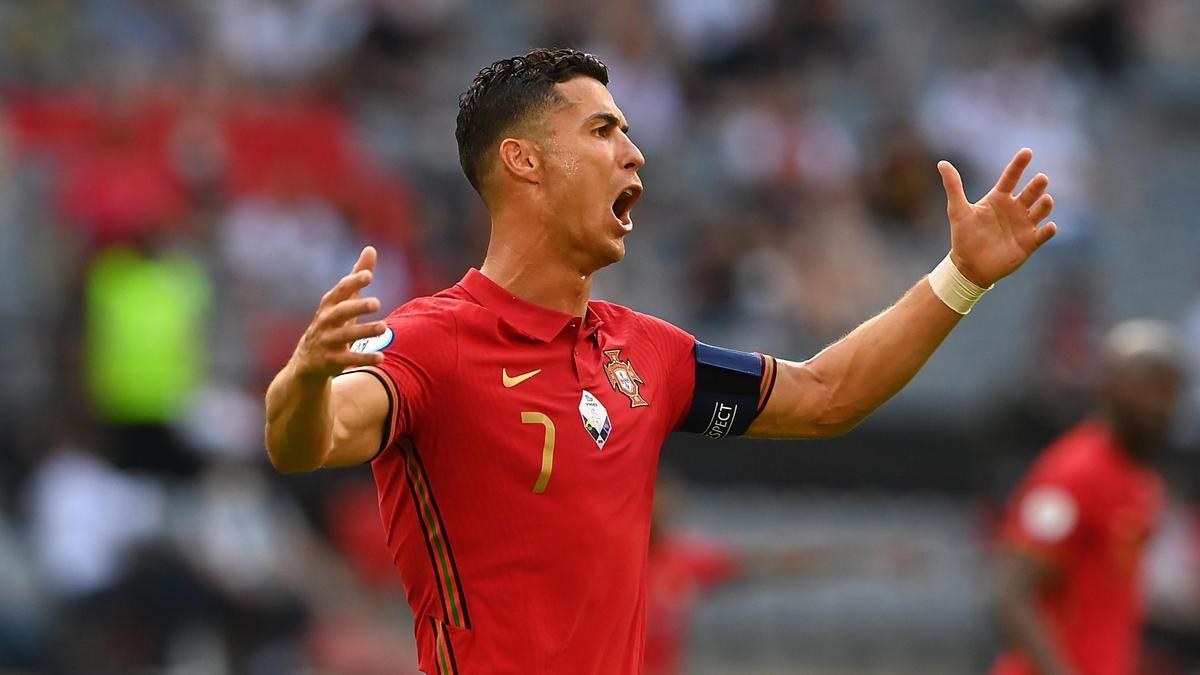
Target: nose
633 158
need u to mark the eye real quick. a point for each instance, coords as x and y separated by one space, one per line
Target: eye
603 131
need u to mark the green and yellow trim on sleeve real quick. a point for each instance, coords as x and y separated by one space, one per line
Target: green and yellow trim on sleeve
437 540
443 649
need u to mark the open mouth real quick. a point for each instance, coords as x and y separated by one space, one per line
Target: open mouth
623 205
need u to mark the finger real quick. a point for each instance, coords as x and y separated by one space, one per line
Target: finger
346 287
366 263
956 199
347 359
347 334
1033 189
1041 208
366 260
347 310
1044 233
1012 173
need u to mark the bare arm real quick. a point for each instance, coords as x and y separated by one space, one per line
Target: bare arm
836 389
1017 579
315 420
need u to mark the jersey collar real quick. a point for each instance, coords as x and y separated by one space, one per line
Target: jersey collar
540 323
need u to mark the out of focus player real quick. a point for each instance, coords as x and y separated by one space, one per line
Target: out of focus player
1068 578
514 425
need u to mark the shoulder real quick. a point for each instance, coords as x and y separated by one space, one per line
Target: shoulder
1074 455
620 317
440 311
1070 467
427 320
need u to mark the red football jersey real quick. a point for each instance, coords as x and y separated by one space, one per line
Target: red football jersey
518 472
1088 509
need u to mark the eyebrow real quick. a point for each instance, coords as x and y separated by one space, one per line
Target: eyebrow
609 118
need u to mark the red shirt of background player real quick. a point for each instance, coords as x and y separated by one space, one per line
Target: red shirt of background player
519 532
1088 509
680 570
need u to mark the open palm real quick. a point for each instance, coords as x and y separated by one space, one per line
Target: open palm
994 236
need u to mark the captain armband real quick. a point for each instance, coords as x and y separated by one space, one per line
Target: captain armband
732 388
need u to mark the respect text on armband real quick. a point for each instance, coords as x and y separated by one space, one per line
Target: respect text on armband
722 420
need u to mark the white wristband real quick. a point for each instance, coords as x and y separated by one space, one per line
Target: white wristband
952 288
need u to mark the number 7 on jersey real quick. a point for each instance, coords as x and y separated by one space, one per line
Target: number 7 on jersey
547 448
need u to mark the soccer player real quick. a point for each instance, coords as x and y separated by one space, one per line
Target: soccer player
1068 578
514 426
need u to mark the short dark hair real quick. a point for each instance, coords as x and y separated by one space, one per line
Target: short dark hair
506 92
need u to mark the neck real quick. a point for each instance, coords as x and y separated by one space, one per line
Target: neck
1133 445
530 270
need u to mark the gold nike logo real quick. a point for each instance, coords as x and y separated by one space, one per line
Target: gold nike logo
514 381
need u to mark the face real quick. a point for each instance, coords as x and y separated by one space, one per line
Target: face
1140 400
589 181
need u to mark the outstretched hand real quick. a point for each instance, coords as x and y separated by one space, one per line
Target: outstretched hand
324 350
994 236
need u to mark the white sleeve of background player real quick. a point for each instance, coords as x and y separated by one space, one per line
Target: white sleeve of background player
1048 514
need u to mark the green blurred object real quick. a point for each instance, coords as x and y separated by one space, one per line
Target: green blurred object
145 334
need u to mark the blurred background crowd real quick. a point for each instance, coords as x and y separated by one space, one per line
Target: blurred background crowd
180 181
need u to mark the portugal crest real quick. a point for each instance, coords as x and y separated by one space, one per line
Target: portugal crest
624 378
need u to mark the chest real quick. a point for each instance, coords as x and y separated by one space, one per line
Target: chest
581 414
1130 511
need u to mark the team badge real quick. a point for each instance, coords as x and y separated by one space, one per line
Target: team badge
624 378
376 343
595 418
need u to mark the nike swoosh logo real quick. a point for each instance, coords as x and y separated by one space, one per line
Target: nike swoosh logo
510 382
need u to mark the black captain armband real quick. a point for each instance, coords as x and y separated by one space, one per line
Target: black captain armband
732 388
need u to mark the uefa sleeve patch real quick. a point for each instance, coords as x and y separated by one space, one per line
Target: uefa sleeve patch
1048 514
373 344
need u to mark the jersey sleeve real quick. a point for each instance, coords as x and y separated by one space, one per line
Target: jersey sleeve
713 391
1049 517
676 353
420 350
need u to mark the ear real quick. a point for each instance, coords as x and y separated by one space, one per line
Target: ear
521 159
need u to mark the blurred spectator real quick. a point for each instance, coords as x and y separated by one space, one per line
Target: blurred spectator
773 139
86 516
284 247
284 40
142 35
145 350
1166 30
41 40
904 193
117 183
979 115
1091 32
708 31
647 88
